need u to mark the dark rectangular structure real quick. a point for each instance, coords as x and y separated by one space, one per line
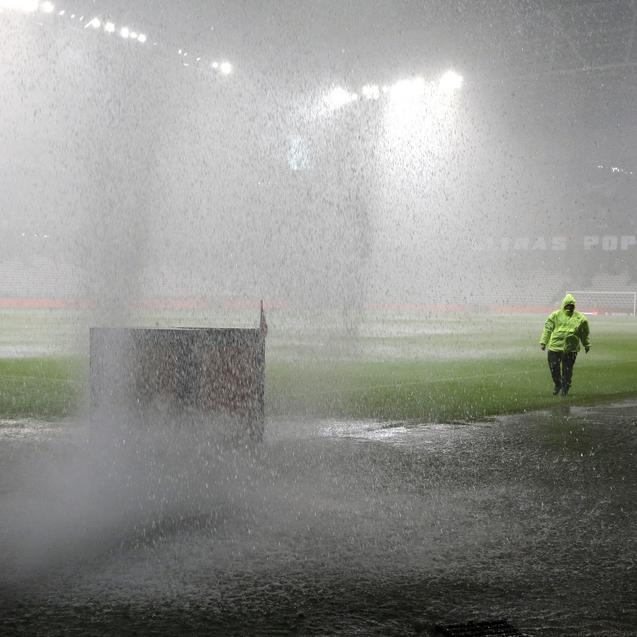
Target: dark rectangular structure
218 373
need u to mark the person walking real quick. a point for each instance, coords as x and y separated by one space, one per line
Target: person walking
563 331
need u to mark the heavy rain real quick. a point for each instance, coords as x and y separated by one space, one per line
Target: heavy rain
279 283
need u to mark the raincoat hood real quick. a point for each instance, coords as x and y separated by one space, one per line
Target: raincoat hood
569 299
564 330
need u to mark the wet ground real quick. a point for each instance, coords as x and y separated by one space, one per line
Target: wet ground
328 528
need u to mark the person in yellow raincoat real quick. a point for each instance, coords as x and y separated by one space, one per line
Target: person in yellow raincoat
563 331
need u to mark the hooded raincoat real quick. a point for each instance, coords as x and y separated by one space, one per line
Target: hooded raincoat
563 333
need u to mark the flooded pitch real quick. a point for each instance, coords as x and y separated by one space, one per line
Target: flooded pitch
328 528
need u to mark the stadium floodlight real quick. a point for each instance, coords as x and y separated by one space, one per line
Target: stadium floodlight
408 90
225 68
25 6
109 27
338 97
133 35
215 65
47 7
142 38
124 32
371 91
96 23
451 81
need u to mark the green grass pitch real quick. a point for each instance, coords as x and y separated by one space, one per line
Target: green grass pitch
422 368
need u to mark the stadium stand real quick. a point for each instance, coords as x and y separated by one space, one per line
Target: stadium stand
41 277
612 282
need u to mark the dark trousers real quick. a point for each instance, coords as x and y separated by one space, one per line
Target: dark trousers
561 365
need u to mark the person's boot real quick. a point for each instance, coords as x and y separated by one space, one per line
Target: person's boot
556 389
565 389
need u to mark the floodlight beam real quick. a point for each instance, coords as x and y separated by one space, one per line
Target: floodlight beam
24 6
451 81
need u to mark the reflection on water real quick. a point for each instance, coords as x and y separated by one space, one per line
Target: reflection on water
328 528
